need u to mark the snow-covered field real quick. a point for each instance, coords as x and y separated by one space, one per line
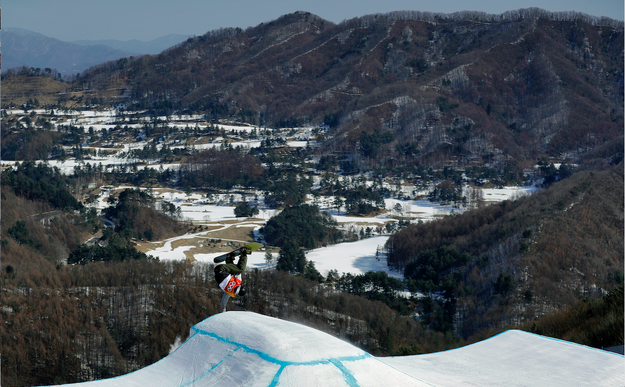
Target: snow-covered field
248 349
353 257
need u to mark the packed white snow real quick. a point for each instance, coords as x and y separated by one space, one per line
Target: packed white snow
248 349
353 257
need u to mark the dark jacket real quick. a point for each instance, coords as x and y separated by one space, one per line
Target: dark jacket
222 271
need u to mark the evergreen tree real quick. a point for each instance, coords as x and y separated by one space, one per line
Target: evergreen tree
303 224
244 210
310 272
291 258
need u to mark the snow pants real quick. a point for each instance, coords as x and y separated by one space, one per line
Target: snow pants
224 301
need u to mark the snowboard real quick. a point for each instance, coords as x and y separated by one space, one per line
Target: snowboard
252 246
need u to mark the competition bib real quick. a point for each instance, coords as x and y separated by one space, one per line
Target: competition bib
230 284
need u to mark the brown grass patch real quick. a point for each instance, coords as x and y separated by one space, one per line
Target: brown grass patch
146 247
236 233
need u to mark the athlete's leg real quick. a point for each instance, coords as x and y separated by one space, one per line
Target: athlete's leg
224 301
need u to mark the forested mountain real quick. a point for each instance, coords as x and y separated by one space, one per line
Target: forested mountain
510 262
402 88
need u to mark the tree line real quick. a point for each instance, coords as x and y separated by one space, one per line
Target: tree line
43 183
513 15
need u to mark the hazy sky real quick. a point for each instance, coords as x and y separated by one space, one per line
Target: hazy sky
149 19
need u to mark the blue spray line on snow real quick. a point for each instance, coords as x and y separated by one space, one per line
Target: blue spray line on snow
349 378
209 371
337 362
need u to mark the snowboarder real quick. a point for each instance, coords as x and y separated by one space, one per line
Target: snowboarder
228 276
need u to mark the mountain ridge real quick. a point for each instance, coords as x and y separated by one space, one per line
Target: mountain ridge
27 48
151 47
460 87
23 47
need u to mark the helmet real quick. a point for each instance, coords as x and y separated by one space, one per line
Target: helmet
241 291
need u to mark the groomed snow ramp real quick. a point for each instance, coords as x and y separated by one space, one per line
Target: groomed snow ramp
248 349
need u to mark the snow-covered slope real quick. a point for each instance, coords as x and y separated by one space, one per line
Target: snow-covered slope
517 358
248 349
